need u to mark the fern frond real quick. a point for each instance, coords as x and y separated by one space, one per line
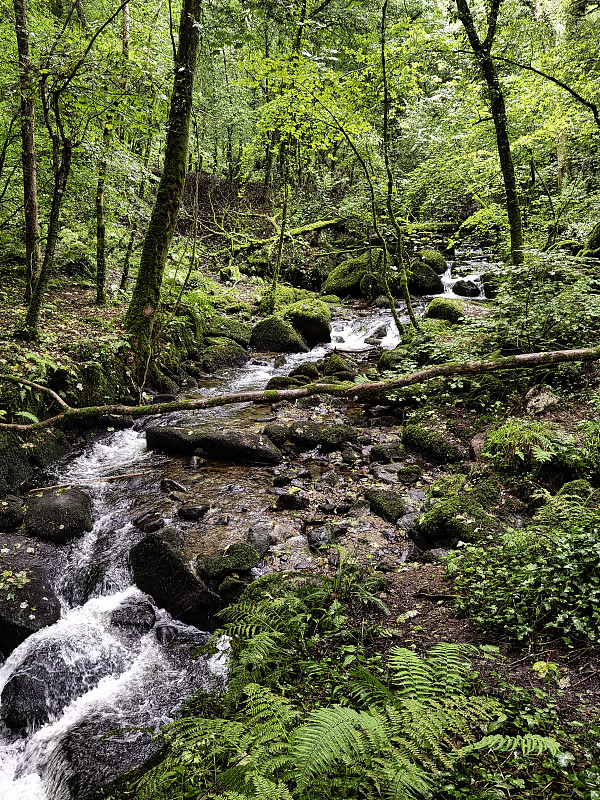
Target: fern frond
410 675
452 669
331 735
530 744
369 690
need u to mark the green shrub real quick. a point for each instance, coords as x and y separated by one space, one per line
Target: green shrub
534 586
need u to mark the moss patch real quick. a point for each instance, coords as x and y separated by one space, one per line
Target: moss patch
386 504
454 520
436 443
433 259
450 310
239 332
311 319
274 334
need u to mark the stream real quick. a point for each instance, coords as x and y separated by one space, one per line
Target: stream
113 660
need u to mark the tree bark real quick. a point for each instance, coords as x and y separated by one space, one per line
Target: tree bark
354 392
143 308
482 50
33 251
101 219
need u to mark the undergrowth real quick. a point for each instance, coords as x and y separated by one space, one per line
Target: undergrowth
312 712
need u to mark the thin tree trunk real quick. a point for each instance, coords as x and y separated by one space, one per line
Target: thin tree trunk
482 50
33 251
101 221
142 312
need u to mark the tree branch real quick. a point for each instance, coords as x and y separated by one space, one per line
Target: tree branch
16 379
360 392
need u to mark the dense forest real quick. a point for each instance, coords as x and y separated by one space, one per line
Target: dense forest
299 396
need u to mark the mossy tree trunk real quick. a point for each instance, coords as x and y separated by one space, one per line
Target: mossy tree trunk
143 308
482 48
33 251
101 220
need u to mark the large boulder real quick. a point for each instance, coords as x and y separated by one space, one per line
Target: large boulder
163 573
422 279
466 288
276 335
455 519
238 558
436 443
344 280
14 465
56 672
239 332
328 437
443 308
433 259
11 512
238 446
57 515
27 601
222 353
387 504
172 439
311 319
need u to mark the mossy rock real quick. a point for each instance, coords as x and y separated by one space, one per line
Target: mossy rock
422 279
433 259
491 283
579 488
450 310
410 473
285 382
392 359
438 444
311 319
239 309
224 354
331 299
239 332
454 520
344 280
335 364
276 335
447 486
387 453
328 437
277 432
284 296
387 504
306 370
237 558
14 465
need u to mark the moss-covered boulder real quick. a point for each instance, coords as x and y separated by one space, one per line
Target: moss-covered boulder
222 354
454 520
466 288
277 432
238 558
328 437
276 335
334 364
491 282
387 504
306 370
433 259
14 465
284 296
387 453
410 473
391 359
344 280
434 442
331 299
422 279
286 382
449 310
311 319
233 329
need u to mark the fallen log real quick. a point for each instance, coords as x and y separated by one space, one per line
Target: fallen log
351 391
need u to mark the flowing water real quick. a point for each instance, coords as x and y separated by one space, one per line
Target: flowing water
89 674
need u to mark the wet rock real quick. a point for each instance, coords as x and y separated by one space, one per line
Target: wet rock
386 473
318 537
223 353
388 453
14 465
260 540
57 515
172 439
387 504
491 283
162 572
466 288
135 614
277 432
350 455
406 521
18 619
423 279
477 444
231 589
238 446
163 398
410 553
11 512
192 513
434 442
47 447
292 501
165 634
308 370
274 334
54 674
237 558
149 521
168 485
328 437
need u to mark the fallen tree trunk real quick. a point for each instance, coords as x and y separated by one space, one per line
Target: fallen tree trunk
357 392
255 244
